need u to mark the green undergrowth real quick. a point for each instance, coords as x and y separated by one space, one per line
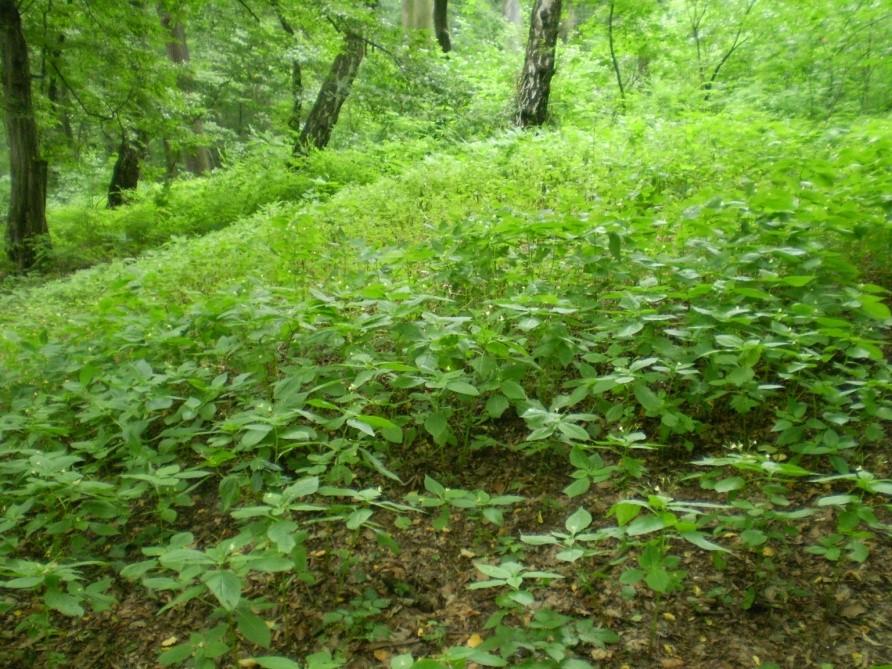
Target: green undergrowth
85 233
693 291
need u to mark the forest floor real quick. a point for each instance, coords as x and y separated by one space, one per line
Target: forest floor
552 402
808 612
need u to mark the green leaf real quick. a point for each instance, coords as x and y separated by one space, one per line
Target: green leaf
615 244
402 662
729 484
64 603
579 487
22 583
357 518
302 488
578 521
513 390
647 398
273 662
176 655
874 307
573 431
433 486
253 628
658 579
225 586
753 538
645 525
282 534
798 281
436 424
837 500
625 512
462 388
496 406
699 539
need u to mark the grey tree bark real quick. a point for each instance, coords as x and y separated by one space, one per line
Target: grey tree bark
26 227
538 68
334 92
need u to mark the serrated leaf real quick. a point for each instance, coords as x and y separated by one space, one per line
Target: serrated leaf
496 405
253 628
225 586
282 534
64 603
357 518
647 398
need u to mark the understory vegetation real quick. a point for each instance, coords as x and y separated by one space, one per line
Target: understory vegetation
611 393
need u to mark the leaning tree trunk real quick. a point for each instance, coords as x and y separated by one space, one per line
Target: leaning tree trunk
441 24
125 174
198 159
26 223
538 67
324 114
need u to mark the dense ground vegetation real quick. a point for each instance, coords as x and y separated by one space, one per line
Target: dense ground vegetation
611 393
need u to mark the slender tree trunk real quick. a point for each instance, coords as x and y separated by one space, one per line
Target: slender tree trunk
26 222
538 67
335 89
613 58
125 175
441 24
198 159
297 85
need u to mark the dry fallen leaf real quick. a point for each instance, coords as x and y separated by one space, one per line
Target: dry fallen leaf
672 663
669 616
474 640
248 663
382 655
467 554
168 642
853 610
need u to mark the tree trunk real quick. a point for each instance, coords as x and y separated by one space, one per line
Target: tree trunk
441 24
538 67
26 223
198 159
125 175
297 85
511 11
418 15
335 89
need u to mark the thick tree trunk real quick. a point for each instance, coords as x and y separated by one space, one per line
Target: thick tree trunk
441 24
335 89
125 175
198 159
538 67
26 224
511 11
418 14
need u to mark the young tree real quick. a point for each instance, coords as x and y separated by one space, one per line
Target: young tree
26 222
538 67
